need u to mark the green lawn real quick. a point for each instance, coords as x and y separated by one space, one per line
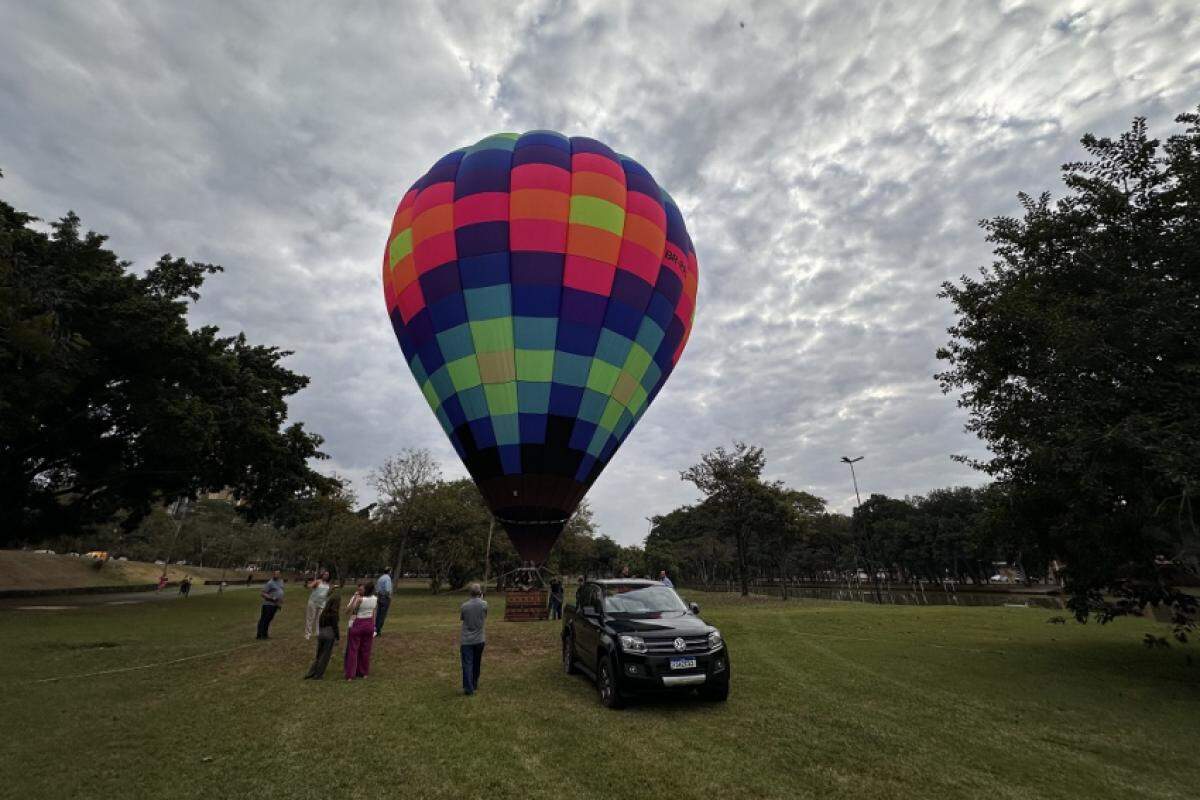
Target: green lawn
828 700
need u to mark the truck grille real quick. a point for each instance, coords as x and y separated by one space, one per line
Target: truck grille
665 645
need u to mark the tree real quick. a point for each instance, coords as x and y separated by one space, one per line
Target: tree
1077 356
450 532
399 481
110 404
787 519
688 543
730 481
326 531
575 551
826 551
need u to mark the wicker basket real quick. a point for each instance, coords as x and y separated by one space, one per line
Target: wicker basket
526 605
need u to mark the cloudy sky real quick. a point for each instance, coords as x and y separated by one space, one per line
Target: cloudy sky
831 159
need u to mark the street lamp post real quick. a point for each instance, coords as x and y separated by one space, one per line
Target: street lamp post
858 504
854 477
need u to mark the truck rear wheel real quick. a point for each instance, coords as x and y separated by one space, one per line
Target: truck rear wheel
606 684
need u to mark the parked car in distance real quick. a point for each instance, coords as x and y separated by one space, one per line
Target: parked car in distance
637 636
45 552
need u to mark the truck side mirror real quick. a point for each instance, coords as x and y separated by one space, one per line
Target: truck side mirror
695 607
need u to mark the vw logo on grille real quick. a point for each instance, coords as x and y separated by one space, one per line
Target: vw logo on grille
680 644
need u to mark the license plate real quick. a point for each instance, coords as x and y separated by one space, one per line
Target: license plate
683 663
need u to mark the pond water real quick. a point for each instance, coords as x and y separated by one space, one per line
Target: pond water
910 596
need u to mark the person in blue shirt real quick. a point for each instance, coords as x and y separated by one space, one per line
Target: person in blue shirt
272 597
383 590
664 580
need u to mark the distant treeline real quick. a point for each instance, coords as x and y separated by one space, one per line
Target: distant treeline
759 530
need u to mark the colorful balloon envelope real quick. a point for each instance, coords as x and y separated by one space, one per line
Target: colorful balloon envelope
542 289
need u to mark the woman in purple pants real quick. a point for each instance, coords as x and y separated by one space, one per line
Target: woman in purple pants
361 633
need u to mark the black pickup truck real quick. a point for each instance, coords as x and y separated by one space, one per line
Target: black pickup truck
637 636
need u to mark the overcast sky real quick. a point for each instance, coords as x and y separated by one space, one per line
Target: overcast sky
831 160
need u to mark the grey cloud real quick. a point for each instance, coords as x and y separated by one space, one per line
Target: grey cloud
831 158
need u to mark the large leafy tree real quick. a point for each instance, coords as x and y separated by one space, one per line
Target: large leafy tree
730 481
688 543
762 520
450 530
1077 355
399 482
110 403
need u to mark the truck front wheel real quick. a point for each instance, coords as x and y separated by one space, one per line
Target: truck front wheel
718 692
606 684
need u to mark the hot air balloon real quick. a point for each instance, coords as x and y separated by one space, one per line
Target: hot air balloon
542 289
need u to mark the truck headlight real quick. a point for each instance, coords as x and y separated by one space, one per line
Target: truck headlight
633 644
715 642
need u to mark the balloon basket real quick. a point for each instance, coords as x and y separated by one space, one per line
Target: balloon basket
526 605
529 601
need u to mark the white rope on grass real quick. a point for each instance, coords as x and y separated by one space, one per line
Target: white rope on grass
141 666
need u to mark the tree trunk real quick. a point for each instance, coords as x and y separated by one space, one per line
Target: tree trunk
400 556
743 572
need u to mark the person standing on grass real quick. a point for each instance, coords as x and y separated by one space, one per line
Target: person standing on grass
358 593
320 586
383 591
556 598
272 596
327 635
361 634
473 614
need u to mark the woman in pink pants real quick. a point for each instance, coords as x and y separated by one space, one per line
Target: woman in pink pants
362 632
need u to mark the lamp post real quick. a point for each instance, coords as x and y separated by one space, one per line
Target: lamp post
853 477
858 504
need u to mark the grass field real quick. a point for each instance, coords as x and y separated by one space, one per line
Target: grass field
20 569
828 700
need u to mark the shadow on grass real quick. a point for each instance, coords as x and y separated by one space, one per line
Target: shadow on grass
1153 670
666 705
73 646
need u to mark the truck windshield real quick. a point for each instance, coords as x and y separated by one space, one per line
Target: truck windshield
643 601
